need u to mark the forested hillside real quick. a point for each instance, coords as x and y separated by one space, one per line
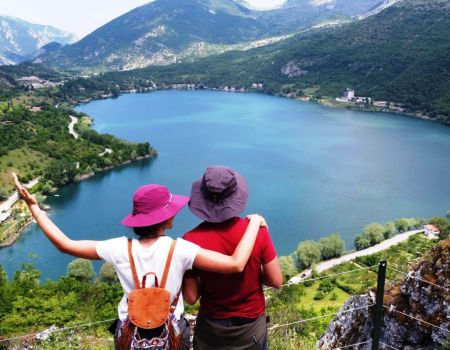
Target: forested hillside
42 138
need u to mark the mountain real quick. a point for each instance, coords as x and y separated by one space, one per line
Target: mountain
19 38
160 33
399 54
298 14
424 295
169 31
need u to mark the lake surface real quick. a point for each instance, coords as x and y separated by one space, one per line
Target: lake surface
311 170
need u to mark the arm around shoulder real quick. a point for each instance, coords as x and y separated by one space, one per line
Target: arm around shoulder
210 260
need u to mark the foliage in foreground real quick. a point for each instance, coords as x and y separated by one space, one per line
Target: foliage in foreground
31 306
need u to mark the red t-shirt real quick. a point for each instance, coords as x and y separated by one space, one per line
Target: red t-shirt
237 294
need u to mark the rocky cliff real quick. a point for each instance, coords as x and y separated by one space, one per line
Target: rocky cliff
423 295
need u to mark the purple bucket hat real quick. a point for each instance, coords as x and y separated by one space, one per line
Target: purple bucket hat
153 204
219 195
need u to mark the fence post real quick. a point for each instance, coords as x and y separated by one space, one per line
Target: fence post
378 315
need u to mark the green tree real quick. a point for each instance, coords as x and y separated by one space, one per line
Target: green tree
331 246
402 224
60 172
448 214
389 230
362 242
308 252
287 267
374 233
81 269
108 274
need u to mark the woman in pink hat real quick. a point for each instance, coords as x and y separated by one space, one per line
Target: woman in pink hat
154 208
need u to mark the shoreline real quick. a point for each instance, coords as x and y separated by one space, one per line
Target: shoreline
15 236
353 107
327 102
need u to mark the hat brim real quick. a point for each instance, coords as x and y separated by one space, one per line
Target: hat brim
230 207
157 216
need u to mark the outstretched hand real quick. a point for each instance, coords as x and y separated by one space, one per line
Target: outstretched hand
23 192
262 221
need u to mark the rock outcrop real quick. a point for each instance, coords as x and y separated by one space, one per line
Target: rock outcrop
423 295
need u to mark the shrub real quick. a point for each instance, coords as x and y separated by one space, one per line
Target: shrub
326 286
319 295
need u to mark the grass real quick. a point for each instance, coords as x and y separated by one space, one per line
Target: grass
308 302
24 161
297 302
5 227
29 100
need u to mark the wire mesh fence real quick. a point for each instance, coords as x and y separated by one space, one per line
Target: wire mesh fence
376 311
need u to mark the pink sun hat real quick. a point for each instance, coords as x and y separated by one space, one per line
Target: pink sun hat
153 204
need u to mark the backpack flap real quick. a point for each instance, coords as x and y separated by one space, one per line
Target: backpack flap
148 308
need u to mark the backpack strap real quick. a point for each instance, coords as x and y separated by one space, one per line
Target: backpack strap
133 266
168 261
175 302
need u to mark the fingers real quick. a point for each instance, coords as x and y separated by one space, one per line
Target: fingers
16 181
263 222
22 191
258 217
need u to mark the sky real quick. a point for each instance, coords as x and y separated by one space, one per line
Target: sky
83 16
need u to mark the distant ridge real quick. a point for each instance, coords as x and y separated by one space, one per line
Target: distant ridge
19 38
171 31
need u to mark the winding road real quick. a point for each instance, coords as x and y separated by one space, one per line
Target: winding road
72 132
328 264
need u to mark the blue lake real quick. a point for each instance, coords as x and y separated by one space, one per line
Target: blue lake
311 170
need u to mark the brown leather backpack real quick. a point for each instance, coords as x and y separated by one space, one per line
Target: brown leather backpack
149 308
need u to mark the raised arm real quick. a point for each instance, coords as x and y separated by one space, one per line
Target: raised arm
80 249
216 262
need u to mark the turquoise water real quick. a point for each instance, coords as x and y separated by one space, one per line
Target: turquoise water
311 170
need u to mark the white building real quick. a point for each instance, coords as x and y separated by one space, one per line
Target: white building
349 94
431 231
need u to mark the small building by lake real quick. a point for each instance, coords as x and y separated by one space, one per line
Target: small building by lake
431 231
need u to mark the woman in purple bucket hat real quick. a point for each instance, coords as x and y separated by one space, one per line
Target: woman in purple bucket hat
154 208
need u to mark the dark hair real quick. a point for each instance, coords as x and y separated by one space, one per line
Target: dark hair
149 231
